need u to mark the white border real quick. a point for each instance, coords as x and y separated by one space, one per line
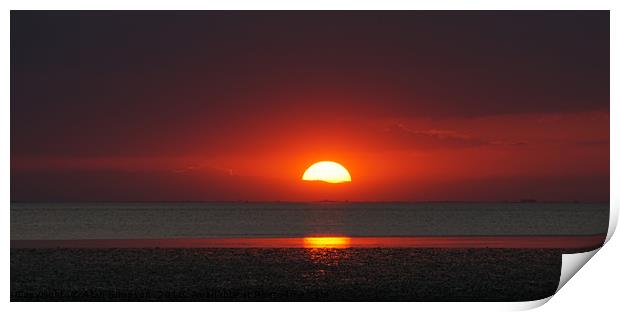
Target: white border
585 291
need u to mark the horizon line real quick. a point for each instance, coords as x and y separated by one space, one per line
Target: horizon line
521 201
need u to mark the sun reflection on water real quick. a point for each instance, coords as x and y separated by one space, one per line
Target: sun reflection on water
327 242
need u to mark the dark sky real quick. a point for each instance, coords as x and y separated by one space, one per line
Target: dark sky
419 105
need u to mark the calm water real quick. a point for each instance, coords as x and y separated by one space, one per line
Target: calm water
175 220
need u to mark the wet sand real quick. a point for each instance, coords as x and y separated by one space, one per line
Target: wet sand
293 269
284 274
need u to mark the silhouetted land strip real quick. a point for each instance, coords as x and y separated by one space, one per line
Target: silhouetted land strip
284 274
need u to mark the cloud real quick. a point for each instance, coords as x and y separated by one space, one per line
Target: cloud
211 169
441 138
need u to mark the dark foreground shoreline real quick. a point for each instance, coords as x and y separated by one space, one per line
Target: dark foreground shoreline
284 274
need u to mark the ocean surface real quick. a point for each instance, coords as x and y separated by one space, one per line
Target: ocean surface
62 221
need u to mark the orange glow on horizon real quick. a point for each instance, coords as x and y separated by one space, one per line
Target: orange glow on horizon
327 171
579 241
327 242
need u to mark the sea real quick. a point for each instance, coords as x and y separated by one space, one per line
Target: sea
152 220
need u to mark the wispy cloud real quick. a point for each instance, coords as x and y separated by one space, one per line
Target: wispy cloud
442 138
205 168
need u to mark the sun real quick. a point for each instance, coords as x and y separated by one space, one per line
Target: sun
327 171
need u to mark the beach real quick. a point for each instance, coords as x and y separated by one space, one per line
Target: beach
284 274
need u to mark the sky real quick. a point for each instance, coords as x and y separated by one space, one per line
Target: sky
417 105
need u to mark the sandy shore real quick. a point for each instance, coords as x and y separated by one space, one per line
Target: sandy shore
283 274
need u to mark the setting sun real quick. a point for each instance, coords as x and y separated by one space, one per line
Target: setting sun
327 171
